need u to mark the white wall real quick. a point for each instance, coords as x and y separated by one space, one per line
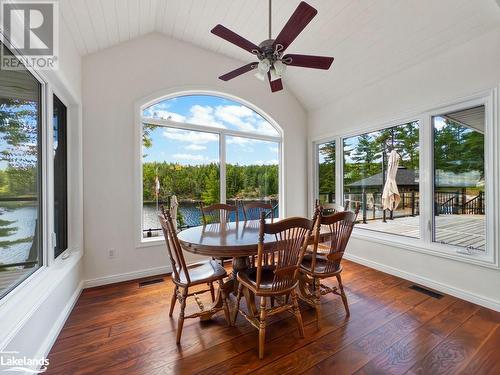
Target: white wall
113 81
457 73
32 315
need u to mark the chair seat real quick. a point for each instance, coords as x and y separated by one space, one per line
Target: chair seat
248 278
203 272
322 249
321 265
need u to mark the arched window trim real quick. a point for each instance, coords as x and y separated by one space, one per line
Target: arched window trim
208 128
158 98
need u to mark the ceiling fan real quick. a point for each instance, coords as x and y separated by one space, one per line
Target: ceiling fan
272 61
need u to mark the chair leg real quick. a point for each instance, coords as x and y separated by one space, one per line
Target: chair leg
343 295
212 291
262 326
173 301
180 323
317 302
225 304
238 299
296 312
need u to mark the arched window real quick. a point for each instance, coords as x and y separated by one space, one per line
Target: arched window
206 148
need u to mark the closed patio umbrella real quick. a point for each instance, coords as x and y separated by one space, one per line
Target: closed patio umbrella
173 209
390 195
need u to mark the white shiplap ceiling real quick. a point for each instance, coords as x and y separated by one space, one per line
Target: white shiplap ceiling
370 39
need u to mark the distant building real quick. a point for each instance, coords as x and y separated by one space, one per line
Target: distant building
407 180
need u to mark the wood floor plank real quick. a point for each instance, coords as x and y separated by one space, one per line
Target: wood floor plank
125 329
458 348
486 360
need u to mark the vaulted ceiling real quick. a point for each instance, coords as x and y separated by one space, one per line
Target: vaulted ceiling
370 39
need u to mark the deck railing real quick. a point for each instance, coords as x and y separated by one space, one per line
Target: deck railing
456 203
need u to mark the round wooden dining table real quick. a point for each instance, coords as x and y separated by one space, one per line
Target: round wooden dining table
236 240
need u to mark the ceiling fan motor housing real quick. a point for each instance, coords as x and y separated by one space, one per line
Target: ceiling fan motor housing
269 51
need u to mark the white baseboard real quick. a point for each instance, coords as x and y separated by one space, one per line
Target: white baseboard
448 289
117 278
58 325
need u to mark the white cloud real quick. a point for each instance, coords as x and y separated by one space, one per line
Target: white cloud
204 115
238 141
167 115
239 116
263 127
195 147
273 149
189 136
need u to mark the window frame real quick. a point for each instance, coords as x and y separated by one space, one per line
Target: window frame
425 244
43 176
64 123
51 85
221 132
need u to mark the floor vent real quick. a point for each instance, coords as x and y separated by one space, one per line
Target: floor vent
142 284
423 290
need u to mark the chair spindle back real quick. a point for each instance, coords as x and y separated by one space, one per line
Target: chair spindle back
173 246
217 213
253 210
340 227
292 236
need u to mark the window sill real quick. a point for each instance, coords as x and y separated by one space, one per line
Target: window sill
25 299
417 245
150 242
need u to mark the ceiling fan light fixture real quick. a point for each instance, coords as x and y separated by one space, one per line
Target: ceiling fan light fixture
259 75
279 67
264 66
274 74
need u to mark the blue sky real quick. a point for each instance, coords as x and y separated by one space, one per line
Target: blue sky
194 148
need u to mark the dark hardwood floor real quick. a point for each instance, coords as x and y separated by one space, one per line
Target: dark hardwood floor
125 329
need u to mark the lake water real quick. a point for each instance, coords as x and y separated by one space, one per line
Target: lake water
190 213
23 218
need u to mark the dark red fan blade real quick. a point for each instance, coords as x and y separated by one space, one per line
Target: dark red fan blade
308 61
297 22
232 37
235 73
276 85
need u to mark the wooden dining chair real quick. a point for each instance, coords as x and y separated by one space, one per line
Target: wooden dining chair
277 280
317 266
218 212
332 208
252 210
185 277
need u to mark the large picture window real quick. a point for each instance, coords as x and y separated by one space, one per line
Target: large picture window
326 172
20 177
366 167
205 149
444 177
459 179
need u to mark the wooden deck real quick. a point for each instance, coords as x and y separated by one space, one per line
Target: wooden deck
125 329
10 277
460 230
